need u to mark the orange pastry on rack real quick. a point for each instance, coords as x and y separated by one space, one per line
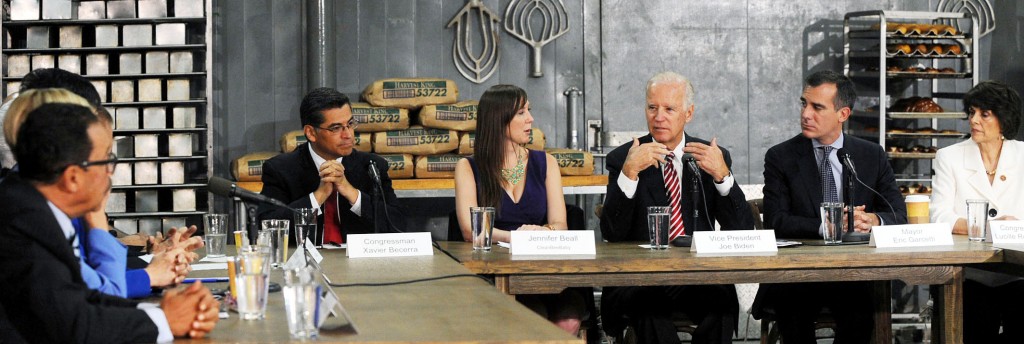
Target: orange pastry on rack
954 49
921 49
900 48
947 70
937 48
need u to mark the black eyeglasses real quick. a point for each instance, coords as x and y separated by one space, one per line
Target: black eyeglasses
111 162
334 129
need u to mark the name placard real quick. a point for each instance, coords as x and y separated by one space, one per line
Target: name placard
552 243
926 234
389 245
749 241
298 259
1007 232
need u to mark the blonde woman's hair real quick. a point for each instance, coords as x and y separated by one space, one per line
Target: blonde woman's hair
32 99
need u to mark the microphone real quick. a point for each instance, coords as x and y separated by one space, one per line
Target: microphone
691 162
374 173
226 188
844 157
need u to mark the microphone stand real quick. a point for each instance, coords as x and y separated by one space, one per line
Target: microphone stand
695 191
850 175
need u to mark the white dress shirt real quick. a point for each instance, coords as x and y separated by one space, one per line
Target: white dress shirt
152 310
357 207
628 186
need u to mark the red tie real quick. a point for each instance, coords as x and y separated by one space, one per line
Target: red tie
332 221
672 187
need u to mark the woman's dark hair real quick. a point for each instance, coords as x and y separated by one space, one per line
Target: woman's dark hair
53 136
1003 101
497 107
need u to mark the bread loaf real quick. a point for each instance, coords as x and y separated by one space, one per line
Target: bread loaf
416 140
400 166
411 93
460 116
372 118
573 162
249 167
436 166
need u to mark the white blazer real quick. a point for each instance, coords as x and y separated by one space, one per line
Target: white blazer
960 175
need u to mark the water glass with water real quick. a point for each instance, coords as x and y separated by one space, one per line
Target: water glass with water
252 281
482 223
977 219
301 296
657 227
305 225
832 222
215 234
274 234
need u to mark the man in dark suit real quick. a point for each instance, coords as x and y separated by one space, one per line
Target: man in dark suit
64 154
650 172
798 176
327 173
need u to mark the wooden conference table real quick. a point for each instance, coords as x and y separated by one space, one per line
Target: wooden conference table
456 310
626 264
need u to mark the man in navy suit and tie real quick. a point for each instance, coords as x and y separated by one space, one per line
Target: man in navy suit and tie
329 174
800 174
651 171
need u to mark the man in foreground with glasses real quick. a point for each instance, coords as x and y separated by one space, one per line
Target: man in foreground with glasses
64 158
329 174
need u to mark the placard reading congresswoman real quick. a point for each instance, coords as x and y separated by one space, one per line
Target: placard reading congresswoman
927 234
1007 232
389 245
552 243
752 241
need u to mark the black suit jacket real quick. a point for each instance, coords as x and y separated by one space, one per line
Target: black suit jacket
792 188
625 219
44 297
290 177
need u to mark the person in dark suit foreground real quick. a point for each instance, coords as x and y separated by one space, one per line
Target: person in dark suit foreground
327 173
798 177
64 154
650 172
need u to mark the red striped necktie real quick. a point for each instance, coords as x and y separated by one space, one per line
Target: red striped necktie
332 220
673 189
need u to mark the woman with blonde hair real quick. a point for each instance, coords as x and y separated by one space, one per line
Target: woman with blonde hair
23 104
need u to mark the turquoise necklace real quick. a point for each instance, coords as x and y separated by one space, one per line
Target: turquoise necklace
515 174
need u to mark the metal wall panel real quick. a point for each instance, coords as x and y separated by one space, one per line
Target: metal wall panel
746 58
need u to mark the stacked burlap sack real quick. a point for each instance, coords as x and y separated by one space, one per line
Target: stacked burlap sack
421 129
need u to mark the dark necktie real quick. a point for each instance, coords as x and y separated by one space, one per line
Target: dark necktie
673 189
828 182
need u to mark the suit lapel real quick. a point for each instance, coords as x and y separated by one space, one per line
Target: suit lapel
46 231
976 176
807 170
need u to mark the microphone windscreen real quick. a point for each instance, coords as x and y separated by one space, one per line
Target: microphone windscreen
841 152
220 186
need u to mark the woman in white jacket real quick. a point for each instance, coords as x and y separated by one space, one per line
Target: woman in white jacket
989 166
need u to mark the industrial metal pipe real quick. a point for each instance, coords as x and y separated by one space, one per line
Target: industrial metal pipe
320 67
572 95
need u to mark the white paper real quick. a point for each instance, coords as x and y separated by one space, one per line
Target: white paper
146 257
209 266
209 259
926 234
553 243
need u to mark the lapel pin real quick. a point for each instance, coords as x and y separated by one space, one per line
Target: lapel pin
1002 177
